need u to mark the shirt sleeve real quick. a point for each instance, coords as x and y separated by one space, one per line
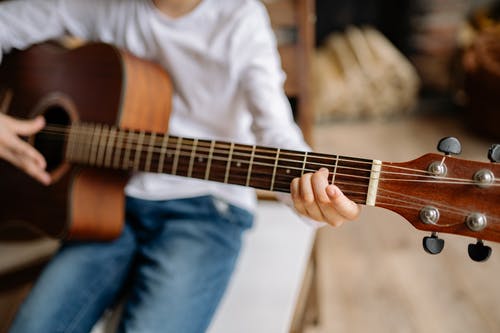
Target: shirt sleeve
26 22
262 81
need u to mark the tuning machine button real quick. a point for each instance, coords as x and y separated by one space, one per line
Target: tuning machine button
494 153
449 146
476 221
433 244
479 252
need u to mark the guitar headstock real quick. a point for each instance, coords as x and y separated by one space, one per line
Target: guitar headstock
444 194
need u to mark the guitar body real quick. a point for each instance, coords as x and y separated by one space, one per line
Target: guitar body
94 83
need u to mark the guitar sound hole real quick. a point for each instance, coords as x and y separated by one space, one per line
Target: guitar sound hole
51 141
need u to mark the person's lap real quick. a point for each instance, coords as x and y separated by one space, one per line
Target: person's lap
173 259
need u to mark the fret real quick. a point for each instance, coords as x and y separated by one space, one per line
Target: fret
334 172
250 165
101 147
163 151
118 148
109 149
253 166
238 173
228 165
128 147
176 156
138 151
304 163
76 147
353 176
317 161
86 143
274 169
209 160
151 147
191 158
262 168
70 146
219 159
89 142
289 167
95 141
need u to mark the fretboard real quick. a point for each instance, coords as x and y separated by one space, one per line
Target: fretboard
231 163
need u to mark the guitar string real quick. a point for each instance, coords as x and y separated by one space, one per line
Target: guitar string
248 148
431 177
425 202
223 168
272 151
392 199
188 154
347 175
425 173
287 183
340 174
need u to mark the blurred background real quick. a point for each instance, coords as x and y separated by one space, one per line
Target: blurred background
436 75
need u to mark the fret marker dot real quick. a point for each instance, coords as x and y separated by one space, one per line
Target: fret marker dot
287 171
238 164
200 159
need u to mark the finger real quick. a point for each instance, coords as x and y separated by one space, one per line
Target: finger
38 173
28 159
295 194
328 209
30 166
308 198
34 170
26 127
25 150
343 205
319 182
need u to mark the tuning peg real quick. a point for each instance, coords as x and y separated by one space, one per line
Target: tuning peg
433 244
479 252
494 153
449 146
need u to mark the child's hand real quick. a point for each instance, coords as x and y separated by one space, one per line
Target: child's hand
20 153
314 197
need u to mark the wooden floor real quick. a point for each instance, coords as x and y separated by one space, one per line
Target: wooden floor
374 275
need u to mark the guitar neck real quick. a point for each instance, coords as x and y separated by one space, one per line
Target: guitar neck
254 166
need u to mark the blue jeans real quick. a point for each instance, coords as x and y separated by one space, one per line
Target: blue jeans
173 261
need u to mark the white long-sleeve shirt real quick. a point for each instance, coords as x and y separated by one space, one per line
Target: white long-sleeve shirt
221 57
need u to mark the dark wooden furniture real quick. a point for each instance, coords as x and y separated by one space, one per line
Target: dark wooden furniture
293 22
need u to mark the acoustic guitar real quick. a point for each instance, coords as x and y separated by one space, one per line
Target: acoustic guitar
107 114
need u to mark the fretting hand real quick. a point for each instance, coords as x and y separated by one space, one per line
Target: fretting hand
314 197
20 153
